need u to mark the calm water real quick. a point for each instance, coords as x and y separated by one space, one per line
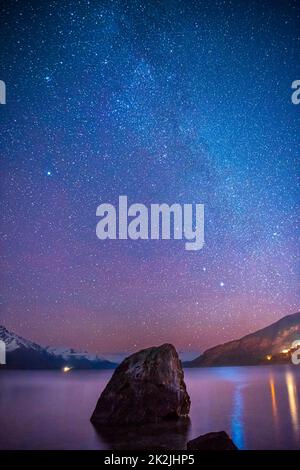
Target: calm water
258 406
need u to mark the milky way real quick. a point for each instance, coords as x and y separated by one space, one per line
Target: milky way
174 101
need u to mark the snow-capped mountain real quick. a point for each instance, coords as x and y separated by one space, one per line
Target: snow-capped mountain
68 353
25 354
14 342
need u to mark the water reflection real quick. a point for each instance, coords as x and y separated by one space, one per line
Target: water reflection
273 398
167 435
258 406
237 425
293 403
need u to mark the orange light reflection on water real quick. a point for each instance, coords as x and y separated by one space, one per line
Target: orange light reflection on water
273 398
293 401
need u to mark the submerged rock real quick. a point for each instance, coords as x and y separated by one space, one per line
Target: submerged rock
165 435
147 387
212 441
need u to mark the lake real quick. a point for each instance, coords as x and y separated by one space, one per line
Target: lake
258 406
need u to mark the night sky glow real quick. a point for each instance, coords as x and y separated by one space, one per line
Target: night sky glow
167 101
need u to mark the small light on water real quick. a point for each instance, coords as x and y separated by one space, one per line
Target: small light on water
67 369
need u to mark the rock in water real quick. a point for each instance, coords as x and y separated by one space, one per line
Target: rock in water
212 441
147 387
165 435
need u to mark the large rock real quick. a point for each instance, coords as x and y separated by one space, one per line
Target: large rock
212 441
147 387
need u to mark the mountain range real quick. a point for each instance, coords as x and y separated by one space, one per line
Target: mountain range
270 345
24 354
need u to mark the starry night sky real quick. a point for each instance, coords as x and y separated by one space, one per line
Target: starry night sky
163 101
